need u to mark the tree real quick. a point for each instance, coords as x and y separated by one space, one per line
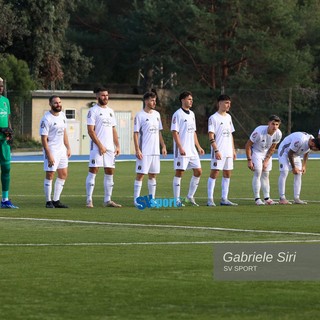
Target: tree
44 48
18 84
12 26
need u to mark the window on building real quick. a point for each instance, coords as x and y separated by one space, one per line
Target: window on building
70 113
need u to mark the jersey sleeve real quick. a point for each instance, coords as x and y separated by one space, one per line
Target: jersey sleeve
175 123
44 127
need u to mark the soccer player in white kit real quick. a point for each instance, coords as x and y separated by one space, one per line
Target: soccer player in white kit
220 129
290 150
147 138
259 150
183 128
104 147
56 151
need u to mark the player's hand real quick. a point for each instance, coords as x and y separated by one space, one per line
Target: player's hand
164 151
250 165
139 155
182 152
117 151
201 151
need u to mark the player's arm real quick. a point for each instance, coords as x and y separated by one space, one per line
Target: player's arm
304 162
214 145
45 146
163 145
197 144
139 154
269 154
116 141
66 143
291 160
176 138
95 140
248 148
233 148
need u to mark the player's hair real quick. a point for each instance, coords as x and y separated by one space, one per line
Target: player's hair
52 97
223 97
148 95
99 89
184 94
316 142
275 118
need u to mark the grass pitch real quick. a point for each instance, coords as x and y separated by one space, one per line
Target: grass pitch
125 263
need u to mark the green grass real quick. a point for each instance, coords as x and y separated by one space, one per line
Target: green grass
105 263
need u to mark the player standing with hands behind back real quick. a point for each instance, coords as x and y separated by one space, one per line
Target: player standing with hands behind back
56 151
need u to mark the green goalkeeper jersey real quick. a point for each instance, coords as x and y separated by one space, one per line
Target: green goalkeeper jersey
4 113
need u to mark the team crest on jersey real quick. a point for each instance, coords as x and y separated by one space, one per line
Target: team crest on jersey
135 120
296 144
210 121
254 135
174 120
42 124
89 114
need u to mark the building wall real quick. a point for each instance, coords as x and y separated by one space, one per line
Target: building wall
81 101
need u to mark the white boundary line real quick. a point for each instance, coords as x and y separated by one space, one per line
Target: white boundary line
110 244
164 226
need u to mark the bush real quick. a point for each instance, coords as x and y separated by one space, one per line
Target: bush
25 142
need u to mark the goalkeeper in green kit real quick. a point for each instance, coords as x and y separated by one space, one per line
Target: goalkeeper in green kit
5 152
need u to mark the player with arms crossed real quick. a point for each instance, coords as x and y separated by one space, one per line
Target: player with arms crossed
259 150
185 142
291 149
104 146
147 137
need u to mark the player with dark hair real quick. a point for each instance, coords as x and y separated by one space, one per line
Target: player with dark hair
147 137
104 146
56 151
291 149
220 129
186 144
259 150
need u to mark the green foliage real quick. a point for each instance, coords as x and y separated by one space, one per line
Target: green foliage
22 142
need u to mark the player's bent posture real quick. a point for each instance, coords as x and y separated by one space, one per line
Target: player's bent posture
220 129
185 142
291 148
259 150
104 147
147 137
56 151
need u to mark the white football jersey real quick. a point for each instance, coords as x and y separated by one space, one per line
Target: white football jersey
103 120
222 127
298 142
53 127
262 141
185 124
148 125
